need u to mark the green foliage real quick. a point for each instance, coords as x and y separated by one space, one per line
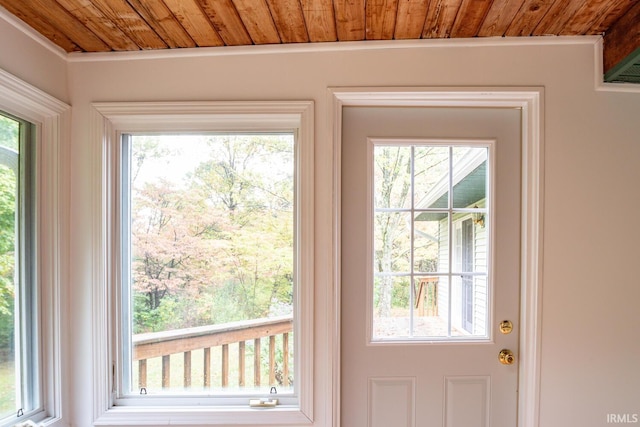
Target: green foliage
8 187
7 257
215 245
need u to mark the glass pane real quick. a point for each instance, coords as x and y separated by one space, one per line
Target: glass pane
481 239
392 246
431 242
431 177
441 239
430 307
391 307
9 291
212 254
469 176
392 177
469 306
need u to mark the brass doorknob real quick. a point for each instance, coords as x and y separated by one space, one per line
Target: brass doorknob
506 357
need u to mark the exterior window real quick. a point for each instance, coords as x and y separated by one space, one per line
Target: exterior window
19 372
428 283
209 264
206 298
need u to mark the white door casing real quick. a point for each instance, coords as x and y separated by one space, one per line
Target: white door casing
528 102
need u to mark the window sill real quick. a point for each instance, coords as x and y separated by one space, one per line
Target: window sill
190 415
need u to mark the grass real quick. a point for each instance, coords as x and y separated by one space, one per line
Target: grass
7 388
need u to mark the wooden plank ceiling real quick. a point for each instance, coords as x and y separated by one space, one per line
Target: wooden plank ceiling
129 25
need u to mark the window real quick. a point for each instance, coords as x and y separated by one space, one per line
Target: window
19 372
32 254
422 289
207 216
209 264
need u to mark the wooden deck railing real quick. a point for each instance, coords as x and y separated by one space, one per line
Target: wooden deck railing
164 344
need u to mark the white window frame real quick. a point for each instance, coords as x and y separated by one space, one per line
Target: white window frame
109 121
51 119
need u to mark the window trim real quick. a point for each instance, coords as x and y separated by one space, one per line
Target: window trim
51 119
108 121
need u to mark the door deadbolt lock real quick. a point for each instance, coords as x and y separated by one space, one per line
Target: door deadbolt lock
506 357
506 327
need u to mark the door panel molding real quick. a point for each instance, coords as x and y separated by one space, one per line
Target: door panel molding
530 101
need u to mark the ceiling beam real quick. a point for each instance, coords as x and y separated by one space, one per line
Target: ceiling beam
623 38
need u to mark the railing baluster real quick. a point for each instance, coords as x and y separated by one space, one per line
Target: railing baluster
241 363
225 365
187 369
272 360
162 344
207 367
256 362
166 371
285 359
142 373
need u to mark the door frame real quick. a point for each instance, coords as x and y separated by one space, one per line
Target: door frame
530 100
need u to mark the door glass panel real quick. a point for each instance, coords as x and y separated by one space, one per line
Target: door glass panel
430 307
392 169
469 176
392 307
393 242
430 242
437 240
431 177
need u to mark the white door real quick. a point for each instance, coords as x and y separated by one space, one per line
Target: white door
430 266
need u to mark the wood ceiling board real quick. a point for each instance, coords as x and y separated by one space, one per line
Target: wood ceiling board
41 25
615 11
623 38
500 15
350 19
557 17
470 17
585 18
61 19
380 19
320 18
440 18
161 19
225 19
531 13
195 22
256 16
289 20
99 24
129 21
411 18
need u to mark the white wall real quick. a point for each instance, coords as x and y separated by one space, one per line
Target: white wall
591 290
590 338
32 59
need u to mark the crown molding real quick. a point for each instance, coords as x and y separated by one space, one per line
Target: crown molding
201 52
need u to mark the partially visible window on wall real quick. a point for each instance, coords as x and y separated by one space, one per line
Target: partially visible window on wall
430 284
209 264
19 375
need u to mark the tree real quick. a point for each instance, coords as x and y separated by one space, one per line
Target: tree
251 178
8 189
216 244
393 183
396 168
